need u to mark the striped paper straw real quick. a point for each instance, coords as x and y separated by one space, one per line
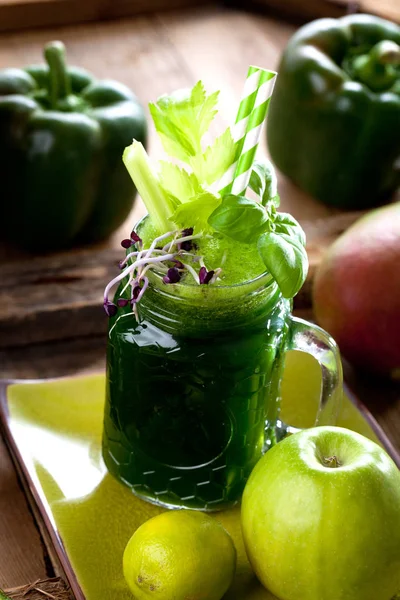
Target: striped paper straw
247 129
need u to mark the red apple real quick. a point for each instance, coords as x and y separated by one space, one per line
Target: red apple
356 292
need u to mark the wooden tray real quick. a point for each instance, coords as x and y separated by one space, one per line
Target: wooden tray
53 429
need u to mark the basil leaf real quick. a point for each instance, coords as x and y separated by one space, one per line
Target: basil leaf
286 259
285 223
274 202
264 183
240 218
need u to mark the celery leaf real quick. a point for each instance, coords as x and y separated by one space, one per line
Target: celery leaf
180 185
182 119
210 165
196 212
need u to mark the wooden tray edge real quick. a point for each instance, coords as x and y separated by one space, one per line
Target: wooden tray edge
36 499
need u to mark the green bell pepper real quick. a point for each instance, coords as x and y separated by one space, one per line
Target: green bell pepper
334 118
62 134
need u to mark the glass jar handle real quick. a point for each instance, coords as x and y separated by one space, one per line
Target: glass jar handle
310 338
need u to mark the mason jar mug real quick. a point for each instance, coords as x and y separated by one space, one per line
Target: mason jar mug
193 388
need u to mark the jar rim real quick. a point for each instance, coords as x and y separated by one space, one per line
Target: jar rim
209 296
265 279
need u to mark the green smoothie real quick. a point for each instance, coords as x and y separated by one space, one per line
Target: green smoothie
189 389
199 323
239 262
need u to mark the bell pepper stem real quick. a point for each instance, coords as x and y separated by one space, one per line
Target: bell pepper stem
59 82
386 53
377 69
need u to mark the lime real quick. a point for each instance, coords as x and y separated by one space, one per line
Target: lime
180 555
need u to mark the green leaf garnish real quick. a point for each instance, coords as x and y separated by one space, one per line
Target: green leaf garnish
264 183
141 170
279 237
180 185
240 218
180 196
285 223
210 165
196 212
286 260
182 119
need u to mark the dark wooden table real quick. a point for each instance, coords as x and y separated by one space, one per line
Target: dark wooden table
153 55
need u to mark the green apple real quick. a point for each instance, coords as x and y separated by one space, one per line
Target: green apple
321 518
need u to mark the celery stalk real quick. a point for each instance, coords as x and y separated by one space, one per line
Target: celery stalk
140 169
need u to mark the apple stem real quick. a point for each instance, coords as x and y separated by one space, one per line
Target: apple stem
332 462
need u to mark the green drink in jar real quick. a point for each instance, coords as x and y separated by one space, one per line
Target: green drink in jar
202 316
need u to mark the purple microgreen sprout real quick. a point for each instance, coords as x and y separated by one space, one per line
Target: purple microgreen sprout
138 290
172 276
135 293
205 276
187 231
134 239
180 241
187 244
110 308
121 302
138 262
130 268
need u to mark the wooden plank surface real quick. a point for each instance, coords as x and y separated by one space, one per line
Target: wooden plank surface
22 553
152 55
27 14
304 10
